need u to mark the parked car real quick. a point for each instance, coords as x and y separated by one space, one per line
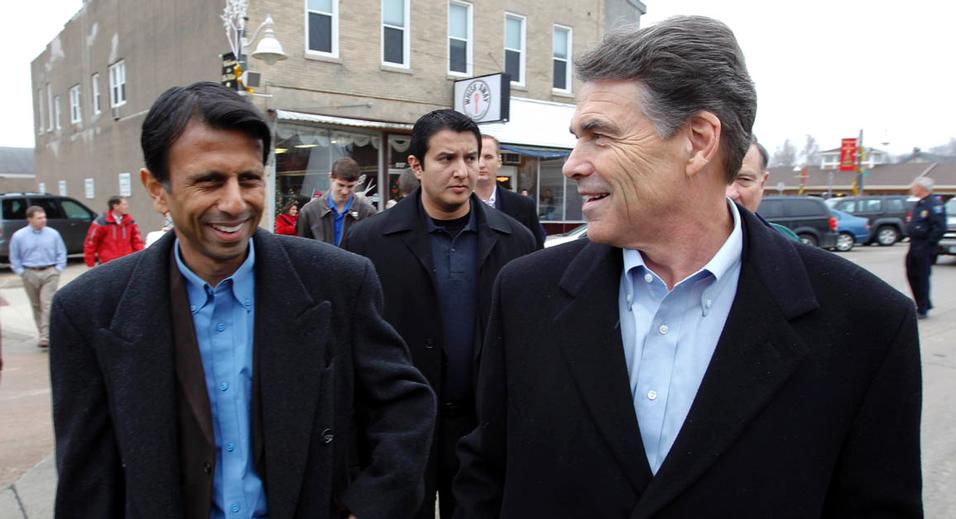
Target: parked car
578 232
68 216
948 244
887 215
808 217
850 230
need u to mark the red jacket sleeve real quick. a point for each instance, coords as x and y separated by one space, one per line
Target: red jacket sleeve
135 238
91 244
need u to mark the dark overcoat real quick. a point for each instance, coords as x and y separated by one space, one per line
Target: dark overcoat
320 345
521 208
810 406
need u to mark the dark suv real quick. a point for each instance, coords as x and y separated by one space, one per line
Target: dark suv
887 215
948 244
66 215
808 217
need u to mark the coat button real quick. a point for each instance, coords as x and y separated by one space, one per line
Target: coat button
327 436
206 467
429 344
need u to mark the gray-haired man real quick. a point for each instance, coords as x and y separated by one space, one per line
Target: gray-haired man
925 229
687 360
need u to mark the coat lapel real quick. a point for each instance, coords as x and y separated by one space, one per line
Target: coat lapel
757 352
139 363
406 222
291 329
589 333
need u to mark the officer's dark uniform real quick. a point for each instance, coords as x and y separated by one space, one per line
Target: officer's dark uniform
925 228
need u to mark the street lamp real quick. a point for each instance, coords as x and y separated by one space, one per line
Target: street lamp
234 20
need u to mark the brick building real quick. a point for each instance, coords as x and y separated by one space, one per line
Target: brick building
358 74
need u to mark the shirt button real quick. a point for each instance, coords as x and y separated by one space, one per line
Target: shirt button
652 395
663 329
230 446
235 508
220 327
648 278
224 386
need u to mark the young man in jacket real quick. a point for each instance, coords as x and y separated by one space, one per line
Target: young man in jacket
112 235
329 217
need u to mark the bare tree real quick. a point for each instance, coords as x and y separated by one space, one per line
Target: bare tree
785 155
810 156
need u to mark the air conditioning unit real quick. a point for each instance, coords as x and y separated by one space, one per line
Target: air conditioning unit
510 159
117 112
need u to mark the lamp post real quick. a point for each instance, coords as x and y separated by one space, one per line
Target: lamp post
268 50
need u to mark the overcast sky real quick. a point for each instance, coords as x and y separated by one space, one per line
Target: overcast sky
824 68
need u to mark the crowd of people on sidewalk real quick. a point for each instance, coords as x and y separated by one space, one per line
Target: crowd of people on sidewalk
686 360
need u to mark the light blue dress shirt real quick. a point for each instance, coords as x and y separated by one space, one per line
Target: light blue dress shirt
223 317
670 336
32 248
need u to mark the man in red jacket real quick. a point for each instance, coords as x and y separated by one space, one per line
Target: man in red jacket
112 235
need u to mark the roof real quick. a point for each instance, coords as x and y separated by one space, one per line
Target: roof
18 161
535 123
882 176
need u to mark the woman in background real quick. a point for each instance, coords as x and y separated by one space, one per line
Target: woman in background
285 222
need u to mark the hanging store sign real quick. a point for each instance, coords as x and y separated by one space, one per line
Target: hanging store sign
848 155
486 99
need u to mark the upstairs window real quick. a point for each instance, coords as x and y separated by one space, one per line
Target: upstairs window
40 116
95 92
459 38
75 114
514 47
561 49
56 111
49 107
395 33
323 27
118 84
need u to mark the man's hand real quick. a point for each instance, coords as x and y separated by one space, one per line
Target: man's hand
352 516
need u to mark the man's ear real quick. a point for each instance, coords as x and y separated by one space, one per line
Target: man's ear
416 167
155 189
703 138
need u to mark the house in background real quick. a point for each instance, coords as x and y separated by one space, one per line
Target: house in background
16 170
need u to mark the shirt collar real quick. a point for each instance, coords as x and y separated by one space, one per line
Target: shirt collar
241 281
348 205
472 224
494 196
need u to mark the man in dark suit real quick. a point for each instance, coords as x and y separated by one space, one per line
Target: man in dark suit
687 361
519 207
437 253
217 373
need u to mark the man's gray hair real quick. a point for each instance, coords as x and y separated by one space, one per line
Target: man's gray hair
683 65
925 183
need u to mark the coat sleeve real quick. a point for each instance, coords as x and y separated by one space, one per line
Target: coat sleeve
401 414
90 473
303 226
91 244
878 473
135 238
482 453
535 225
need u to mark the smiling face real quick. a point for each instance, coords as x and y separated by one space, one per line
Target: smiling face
747 188
449 173
631 179
216 196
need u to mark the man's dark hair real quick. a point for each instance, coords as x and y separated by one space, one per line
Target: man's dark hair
683 65
114 201
346 169
764 157
434 122
209 103
34 209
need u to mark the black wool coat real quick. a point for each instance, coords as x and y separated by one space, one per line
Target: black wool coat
810 406
320 344
521 208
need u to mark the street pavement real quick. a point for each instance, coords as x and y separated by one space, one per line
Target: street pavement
28 475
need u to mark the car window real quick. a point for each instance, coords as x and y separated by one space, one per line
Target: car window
15 209
847 206
871 206
895 205
74 210
951 207
50 207
802 207
770 209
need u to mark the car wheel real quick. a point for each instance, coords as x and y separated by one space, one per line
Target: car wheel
809 239
887 236
844 242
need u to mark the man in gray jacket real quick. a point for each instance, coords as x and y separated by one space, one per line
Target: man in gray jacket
329 217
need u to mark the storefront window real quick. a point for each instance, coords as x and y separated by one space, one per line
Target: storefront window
398 146
304 157
551 191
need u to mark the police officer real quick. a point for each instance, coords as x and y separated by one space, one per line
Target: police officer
925 228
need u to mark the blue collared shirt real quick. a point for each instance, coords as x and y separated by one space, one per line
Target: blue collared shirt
32 248
670 336
338 219
223 317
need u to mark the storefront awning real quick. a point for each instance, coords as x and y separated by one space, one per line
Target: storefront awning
287 115
539 153
535 123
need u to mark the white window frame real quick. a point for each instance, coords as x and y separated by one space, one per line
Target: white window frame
40 115
469 42
522 70
76 113
118 83
567 61
406 40
49 107
335 31
56 109
95 93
